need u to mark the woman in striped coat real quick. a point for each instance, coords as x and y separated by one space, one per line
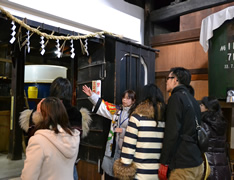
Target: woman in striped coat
143 139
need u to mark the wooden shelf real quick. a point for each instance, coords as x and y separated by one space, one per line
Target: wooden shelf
5 98
36 100
224 104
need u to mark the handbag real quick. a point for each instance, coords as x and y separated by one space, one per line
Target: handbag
124 172
202 136
206 167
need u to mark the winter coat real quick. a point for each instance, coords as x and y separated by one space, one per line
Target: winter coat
79 119
75 117
119 119
50 155
180 121
143 143
217 157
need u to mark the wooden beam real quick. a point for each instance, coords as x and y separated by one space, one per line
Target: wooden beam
196 77
202 74
5 60
149 28
174 11
174 38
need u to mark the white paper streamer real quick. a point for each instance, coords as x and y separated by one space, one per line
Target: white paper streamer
86 47
13 32
42 42
72 49
58 49
28 41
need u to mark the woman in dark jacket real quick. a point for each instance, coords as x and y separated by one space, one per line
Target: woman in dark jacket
215 125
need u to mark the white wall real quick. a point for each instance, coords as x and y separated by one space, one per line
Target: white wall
83 16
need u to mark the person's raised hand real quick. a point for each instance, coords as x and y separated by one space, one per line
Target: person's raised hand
87 90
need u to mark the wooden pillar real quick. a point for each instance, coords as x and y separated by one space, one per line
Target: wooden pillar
74 66
17 102
148 30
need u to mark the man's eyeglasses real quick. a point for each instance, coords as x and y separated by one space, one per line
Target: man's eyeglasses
170 77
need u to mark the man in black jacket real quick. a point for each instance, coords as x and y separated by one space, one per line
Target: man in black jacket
180 152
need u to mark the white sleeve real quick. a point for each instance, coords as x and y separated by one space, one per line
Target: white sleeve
102 111
100 107
93 98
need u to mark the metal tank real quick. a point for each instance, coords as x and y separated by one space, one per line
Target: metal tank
221 61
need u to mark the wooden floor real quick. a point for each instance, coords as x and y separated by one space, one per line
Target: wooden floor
88 171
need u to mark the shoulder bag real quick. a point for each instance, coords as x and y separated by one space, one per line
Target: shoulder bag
202 136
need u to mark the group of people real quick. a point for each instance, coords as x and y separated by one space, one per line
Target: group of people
54 128
146 138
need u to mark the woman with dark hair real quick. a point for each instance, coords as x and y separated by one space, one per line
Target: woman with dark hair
78 119
215 125
119 116
143 139
52 150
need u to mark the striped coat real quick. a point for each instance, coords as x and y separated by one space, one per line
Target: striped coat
143 142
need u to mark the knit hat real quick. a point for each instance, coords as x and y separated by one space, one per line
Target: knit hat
205 102
212 104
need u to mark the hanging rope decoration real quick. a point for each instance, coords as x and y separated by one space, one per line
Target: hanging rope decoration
43 44
26 41
59 51
47 36
62 48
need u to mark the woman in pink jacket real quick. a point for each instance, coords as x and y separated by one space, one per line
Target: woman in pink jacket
52 151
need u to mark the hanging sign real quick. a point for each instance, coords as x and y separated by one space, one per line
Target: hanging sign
96 87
